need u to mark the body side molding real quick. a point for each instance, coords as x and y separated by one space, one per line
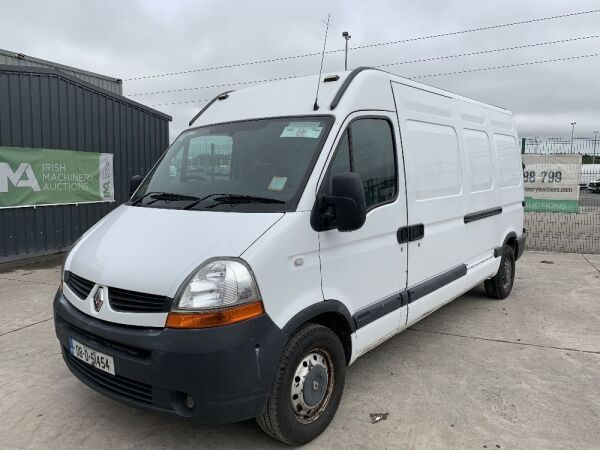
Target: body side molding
379 309
478 215
435 283
389 304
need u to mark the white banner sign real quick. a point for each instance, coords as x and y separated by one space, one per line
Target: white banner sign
552 182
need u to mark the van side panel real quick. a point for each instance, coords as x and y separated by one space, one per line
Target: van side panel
464 184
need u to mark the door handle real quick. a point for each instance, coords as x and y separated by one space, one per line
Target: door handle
402 235
410 233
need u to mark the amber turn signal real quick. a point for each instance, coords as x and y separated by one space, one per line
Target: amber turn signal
217 318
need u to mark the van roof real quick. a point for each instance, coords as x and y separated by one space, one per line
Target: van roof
340 93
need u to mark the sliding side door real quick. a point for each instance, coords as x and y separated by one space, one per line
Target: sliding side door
437 240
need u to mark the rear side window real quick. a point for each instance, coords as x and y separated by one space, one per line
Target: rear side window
367 148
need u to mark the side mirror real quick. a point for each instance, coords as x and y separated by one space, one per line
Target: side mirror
134 183
345 208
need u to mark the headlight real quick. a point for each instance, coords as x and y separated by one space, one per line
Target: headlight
218 284
220 292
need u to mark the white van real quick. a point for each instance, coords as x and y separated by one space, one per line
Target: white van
276 242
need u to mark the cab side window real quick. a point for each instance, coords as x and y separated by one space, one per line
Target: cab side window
341 161
367 148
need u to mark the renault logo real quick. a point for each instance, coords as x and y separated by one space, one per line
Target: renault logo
98 301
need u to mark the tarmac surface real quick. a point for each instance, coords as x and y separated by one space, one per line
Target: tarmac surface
477 373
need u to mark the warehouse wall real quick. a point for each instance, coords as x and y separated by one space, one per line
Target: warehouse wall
114 85
43 108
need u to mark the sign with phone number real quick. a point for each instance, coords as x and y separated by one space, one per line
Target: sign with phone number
551 183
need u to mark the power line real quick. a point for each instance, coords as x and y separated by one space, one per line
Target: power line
180 103
480 69
436 58
505 66
237 83
495 50
378 44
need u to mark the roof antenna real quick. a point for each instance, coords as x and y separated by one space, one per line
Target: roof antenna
316 105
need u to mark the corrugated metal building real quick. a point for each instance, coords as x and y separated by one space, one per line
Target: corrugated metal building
113 85
44 107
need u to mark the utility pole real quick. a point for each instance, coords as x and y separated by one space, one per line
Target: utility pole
572 134
595 139
347 37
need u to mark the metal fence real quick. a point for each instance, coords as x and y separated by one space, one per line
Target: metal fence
568 232
587 146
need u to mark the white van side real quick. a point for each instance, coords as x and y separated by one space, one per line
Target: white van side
275 242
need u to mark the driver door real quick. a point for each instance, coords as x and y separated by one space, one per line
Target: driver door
366 269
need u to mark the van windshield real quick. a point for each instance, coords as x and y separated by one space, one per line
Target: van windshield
250 166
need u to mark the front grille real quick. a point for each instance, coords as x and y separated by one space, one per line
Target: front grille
116 384
129 301
80 286
133 351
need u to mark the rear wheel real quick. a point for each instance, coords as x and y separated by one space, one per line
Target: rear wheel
308 386
501 284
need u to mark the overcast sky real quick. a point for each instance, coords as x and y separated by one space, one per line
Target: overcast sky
136 38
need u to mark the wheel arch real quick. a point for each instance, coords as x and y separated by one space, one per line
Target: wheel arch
512 241
332 314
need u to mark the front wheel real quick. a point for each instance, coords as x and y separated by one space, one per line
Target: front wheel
500 285
308 386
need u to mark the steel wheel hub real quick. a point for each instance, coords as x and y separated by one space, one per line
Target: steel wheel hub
312 385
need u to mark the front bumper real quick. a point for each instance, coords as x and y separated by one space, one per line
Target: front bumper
228 371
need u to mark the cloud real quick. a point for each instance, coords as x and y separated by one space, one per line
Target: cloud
128 38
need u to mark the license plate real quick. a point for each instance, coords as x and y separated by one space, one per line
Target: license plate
91 357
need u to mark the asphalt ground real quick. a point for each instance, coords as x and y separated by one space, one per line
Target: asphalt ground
478 373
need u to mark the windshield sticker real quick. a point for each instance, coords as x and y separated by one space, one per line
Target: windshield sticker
310 130
277 183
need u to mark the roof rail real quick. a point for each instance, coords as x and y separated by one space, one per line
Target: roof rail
346 83
221 96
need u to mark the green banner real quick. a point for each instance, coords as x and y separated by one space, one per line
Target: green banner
551 205
39 176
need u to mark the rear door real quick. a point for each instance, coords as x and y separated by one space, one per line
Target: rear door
366 269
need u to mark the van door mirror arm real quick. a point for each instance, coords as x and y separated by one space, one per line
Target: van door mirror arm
322 217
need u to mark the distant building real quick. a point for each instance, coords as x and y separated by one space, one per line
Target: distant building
114 85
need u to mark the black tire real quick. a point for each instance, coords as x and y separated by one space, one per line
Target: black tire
501 284
279 418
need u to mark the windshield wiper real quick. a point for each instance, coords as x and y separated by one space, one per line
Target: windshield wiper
238 198
164 196
198 200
